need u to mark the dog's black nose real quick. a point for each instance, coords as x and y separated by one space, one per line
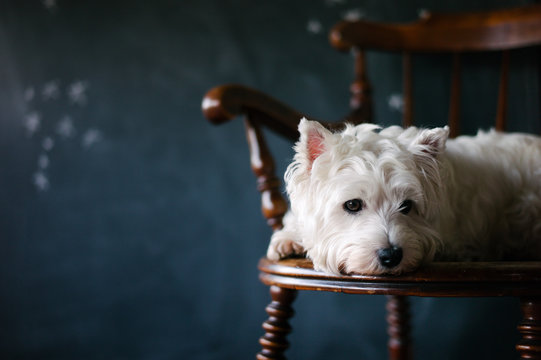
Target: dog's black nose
390 257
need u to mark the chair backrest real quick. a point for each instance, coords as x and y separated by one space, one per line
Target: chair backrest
500 30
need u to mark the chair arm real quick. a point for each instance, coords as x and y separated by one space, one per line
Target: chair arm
223 103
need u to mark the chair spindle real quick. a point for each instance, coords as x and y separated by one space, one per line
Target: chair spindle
407 119
454 101
361 91
501 113
398 322
273 204
529 347
277 327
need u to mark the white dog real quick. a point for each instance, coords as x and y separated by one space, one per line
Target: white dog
369 200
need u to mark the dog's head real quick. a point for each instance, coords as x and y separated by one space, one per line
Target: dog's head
366 199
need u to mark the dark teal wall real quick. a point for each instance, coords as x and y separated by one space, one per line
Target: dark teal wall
129 226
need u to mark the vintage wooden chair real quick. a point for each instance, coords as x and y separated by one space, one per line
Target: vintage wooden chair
502 30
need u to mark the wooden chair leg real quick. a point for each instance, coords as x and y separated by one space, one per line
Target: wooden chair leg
529 346
398 321
274 342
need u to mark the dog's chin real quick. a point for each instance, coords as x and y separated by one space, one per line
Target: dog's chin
349 268
363 261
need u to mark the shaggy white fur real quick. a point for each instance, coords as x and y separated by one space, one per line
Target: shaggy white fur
371 201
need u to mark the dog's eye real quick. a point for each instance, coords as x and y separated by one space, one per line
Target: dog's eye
406 206
353 206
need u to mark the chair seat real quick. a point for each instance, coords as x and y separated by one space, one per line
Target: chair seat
439 279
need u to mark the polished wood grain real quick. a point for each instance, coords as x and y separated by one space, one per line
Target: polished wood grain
529 346
273 204
407 79
442 279
276 327
434 32
454 100
501 112
226 102
361 92
398 320
499 30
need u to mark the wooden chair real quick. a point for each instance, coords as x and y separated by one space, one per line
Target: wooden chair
433 33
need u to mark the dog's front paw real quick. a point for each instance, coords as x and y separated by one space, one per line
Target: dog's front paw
283 245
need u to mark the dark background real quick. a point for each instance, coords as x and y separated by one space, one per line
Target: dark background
130 227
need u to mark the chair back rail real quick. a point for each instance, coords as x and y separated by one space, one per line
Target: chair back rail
477 31
500 30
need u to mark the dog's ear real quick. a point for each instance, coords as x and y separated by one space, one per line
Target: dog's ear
313 140
430 141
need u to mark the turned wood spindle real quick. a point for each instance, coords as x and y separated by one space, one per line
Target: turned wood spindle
501 113
361 91
407 116
277 327
398 321
529 346
273 204
454 101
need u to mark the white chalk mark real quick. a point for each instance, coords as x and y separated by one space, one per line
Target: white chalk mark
32 122
43 161
41 182
396 102
334 2
423 14
90 137
49 4
314 26
47 143
77 92
29 94
353 15
50 91
65 127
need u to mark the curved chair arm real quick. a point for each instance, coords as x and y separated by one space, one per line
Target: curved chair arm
226 102
223 103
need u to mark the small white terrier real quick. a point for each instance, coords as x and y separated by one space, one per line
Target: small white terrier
370 201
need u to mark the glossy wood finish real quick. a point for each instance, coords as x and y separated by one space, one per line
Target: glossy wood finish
276 327
361 92
501 112
226 102
500 30
479 31
529 346
398 320
452 279
273 204
441 279
454 100
407 79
